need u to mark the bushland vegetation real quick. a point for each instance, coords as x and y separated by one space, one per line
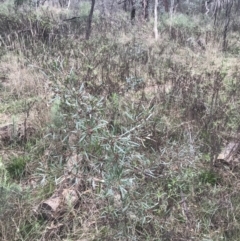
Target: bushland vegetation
114 116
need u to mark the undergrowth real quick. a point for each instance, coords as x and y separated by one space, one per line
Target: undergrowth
132 126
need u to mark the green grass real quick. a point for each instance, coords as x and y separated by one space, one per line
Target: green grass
16 167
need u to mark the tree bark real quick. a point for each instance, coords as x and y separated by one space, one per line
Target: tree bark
226 25
125 5
89 22
145 4
165 3
133 11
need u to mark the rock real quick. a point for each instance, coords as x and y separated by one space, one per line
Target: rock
228 152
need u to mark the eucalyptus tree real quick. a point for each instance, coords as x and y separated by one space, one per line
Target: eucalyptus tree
89 21
222 11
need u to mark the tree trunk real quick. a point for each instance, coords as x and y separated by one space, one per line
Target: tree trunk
68 5
133 11
226 25
172 8
145 4
155 20
165 3
89 21
125 5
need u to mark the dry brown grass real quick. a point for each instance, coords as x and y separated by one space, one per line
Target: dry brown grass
25 93
22 81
